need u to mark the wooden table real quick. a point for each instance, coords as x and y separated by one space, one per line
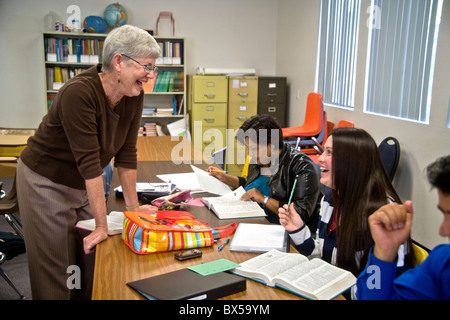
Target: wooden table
11 145
116 264
166 148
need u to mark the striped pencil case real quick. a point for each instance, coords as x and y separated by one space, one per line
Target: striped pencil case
146 233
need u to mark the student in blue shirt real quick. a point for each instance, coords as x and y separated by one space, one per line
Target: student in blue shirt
390 226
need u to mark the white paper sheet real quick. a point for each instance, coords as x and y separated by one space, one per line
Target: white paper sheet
209 183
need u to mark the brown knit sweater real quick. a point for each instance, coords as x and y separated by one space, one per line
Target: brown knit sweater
81 133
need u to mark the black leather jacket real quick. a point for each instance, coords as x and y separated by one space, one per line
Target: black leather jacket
306 197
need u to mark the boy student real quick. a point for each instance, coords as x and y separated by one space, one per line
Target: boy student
390 226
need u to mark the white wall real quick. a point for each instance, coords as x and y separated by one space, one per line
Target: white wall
227 34
420 144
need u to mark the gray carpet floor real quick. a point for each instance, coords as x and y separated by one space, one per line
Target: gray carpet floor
15 268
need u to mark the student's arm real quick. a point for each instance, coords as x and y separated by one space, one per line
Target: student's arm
297 229
427 281
390 226
228 179
376 281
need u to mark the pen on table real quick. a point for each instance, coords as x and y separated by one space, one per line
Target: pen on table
292 192
222 245
217 170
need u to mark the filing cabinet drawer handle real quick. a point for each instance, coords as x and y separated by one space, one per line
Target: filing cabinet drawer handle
272 94
243 94
210 96
209 108
242 118
210 120
272 109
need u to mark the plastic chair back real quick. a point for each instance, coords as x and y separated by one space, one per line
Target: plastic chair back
345 123
244 172
313 122
219 157
419 253
389 150
320 138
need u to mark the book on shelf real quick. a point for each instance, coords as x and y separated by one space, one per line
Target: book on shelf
172 52
57 76
73 50
230 206
148 111
150 84
150 129
181 105
162 111
166 81
314 279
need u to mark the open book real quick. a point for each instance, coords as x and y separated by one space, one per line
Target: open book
313 279
230 206
114 220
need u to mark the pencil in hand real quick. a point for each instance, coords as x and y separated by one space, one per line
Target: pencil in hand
217 170
292 191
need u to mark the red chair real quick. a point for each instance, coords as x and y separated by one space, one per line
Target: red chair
312 153
345 123
330 126
307 146
313 123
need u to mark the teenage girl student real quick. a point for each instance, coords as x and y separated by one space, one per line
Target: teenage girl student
357 184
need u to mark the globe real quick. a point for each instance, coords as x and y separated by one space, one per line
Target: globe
115 15
94 24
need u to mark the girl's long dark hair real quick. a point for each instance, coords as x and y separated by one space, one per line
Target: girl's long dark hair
361 186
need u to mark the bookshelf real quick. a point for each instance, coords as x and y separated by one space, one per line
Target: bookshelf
67 54
165 96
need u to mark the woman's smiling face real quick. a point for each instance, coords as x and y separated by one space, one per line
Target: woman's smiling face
325 162
134 75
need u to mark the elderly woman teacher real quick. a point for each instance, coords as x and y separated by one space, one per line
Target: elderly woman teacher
95 117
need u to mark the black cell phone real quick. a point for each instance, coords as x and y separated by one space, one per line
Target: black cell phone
188 254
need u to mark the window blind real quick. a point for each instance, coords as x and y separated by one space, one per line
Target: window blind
400 59
337 52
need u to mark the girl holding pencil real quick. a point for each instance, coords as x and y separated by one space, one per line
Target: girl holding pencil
357 185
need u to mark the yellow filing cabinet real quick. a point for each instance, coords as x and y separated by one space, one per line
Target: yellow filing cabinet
242 104
208 97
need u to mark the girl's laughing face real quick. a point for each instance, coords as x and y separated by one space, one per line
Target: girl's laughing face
325 162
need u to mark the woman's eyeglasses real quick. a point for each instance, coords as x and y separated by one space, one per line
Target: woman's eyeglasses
147 68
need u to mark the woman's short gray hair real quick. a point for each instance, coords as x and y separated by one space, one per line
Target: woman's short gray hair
131 41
